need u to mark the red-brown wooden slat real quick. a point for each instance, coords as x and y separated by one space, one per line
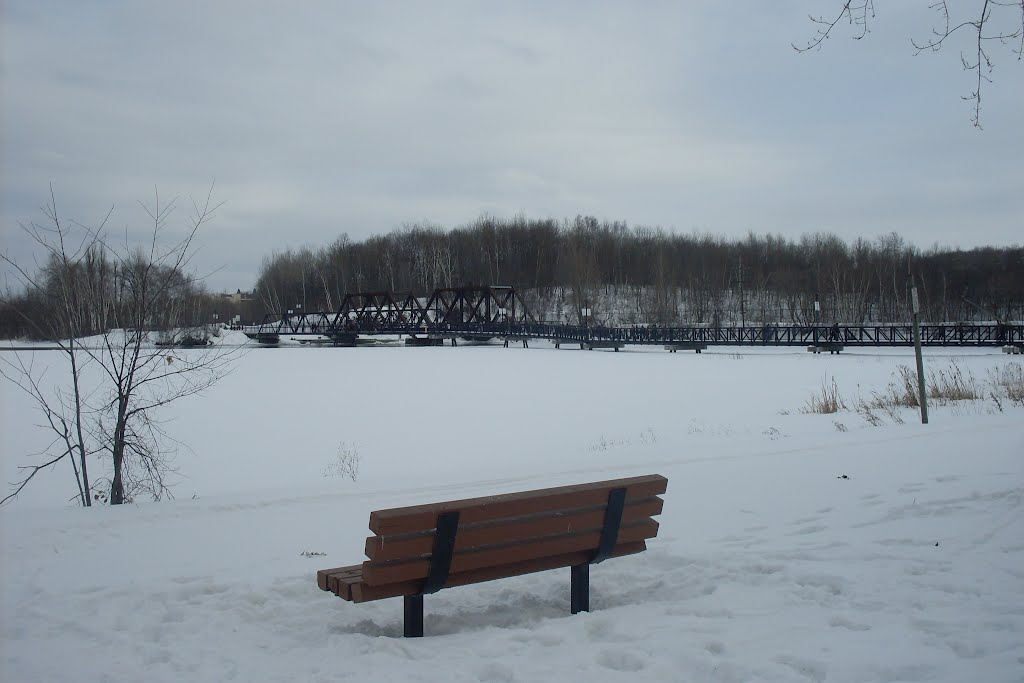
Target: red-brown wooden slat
394 572
323 575
507 530
362 592
423 517
340 580
341 584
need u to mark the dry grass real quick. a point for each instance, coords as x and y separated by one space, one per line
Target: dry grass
953 385
950 386
1008 383
943 387
827 402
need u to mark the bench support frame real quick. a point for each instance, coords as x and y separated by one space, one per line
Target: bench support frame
440 566
413 616
444 547
579 577
579 588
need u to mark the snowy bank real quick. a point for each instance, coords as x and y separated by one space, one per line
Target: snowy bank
789 550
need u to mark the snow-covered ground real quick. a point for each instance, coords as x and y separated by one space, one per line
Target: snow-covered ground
793 547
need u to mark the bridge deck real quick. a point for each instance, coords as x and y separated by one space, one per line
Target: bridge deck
994 335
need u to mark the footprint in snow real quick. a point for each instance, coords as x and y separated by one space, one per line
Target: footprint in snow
811 670
495 671
620 660
840 622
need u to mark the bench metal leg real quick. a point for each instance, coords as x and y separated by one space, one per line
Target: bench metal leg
579 589
413 616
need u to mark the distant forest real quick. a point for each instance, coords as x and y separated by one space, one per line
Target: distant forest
628 275
622 275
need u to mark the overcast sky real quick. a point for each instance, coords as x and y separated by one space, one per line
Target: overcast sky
317 119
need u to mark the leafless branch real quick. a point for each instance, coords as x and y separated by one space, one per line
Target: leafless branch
984 28
858 13
33 471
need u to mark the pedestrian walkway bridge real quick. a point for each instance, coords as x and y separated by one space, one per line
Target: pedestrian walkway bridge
498 313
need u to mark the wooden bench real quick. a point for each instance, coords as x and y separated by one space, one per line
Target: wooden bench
421 549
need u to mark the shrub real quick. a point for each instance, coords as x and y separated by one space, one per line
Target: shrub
345 463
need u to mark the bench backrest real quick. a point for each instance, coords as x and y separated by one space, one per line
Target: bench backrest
414 549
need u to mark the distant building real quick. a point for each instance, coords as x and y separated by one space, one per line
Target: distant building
238 297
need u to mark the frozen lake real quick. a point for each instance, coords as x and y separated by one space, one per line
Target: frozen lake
768 566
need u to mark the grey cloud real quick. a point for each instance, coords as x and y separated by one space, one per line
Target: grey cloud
322 118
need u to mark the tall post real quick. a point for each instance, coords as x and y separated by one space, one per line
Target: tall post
817 320
743 313
922 398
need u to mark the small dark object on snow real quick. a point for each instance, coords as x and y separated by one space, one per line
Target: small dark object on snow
936 544
842 476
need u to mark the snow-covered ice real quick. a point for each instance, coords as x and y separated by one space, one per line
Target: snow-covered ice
770 565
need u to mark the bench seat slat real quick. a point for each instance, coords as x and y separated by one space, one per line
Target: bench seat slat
339 578
362 592
376 574
323 575
424 517
341 584
507 530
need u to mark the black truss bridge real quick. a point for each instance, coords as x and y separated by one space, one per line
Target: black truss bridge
480 313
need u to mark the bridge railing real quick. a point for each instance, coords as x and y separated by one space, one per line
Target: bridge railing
768 335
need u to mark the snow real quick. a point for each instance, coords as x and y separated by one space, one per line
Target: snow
769 565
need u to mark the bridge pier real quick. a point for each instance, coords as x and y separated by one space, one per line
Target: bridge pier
345 339
591 344
597 344
831 347
424 341
685 346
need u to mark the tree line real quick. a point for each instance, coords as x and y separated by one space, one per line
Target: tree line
626 275
94 293
621 274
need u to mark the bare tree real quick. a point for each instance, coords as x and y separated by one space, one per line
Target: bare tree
993 22
108 411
